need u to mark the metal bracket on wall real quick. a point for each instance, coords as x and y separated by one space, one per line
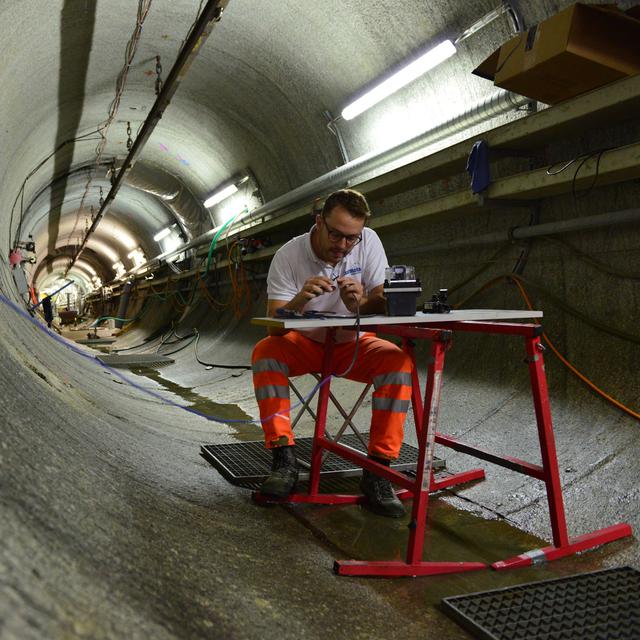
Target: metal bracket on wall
331 125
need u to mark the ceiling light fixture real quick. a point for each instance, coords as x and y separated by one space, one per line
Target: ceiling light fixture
221 195
225 192
426 62
407 74
163 233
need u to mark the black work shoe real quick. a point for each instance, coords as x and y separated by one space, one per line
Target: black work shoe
381 498
284 473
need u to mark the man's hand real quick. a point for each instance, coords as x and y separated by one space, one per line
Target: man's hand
351 292
314 287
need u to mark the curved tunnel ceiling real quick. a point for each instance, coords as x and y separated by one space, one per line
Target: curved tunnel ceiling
253 99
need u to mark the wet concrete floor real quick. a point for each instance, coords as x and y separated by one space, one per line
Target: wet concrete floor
453 534
245 430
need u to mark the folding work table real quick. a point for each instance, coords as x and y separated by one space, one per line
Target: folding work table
438 329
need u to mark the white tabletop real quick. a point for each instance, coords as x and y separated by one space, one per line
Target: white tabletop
420 318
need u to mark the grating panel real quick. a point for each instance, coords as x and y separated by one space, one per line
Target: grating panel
243 463
135 360
603 605
91 341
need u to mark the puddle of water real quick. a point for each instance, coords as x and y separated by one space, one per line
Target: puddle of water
452 535
205 405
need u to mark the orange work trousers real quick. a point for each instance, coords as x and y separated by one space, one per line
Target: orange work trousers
379 362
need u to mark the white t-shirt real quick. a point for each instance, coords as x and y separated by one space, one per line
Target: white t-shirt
295 262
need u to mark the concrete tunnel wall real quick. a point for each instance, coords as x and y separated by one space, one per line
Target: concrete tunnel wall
113 526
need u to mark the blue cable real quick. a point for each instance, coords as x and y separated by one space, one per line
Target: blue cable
153 394
51 294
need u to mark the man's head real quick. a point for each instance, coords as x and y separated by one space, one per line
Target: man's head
339 226
353 201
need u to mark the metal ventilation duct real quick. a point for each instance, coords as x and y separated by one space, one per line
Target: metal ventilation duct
492 106
187 209
497 104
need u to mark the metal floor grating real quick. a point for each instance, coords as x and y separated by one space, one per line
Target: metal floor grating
603 605
135 360
247 463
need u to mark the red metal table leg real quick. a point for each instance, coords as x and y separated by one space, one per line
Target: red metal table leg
562 544
416 403
397 569
321 414
547 441
574 545
414 564
308 498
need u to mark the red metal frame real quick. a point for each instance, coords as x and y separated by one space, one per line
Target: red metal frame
426 420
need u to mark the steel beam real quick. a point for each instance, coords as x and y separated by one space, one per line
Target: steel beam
195 40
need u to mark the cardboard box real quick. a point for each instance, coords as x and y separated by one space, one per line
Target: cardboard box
574 51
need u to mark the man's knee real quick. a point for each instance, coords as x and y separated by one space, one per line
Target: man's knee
268 347
396 359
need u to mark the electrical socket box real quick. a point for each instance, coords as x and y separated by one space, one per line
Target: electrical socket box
579 49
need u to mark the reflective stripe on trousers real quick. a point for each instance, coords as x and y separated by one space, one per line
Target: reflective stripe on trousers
380 362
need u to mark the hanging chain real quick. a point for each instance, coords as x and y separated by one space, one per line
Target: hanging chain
93 213
101 201
129 140
158 76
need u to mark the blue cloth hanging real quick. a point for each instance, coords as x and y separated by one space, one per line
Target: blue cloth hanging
478 166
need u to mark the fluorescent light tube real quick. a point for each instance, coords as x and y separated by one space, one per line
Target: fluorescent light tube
162 234
408 74
220 196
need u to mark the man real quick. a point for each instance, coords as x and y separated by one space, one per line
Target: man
338 266
47 310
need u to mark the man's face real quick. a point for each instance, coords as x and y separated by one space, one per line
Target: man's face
337 234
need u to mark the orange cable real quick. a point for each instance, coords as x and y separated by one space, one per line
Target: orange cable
213 303
569 366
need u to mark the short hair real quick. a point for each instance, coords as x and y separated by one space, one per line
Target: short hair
353 201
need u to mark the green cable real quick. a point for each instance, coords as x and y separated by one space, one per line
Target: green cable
214 242
97 321
179 295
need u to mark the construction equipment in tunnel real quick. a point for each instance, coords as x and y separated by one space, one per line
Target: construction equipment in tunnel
401 290
439 329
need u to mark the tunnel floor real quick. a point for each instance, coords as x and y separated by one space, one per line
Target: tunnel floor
473 534
117 527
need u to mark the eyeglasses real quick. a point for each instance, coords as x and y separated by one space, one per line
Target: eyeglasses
338 236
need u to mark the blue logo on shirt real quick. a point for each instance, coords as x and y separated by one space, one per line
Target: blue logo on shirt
353 271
